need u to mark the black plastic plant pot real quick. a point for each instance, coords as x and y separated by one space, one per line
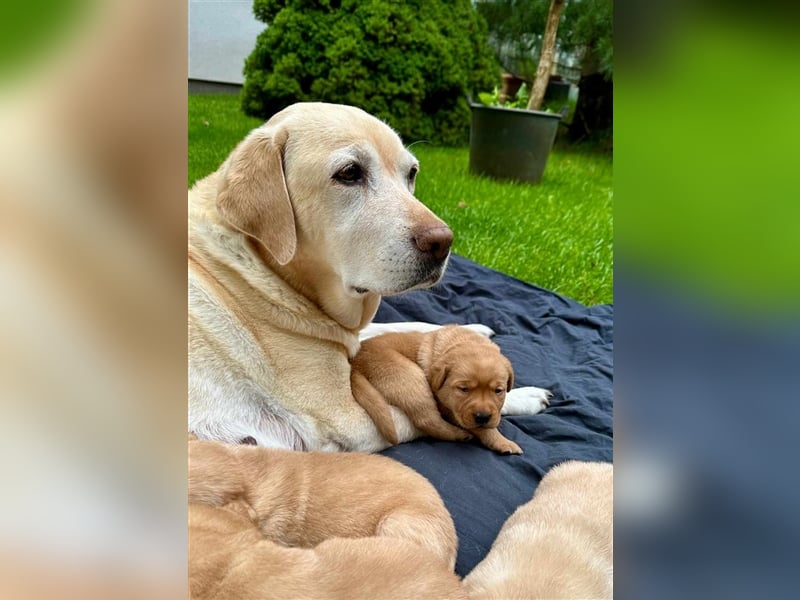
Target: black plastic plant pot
507 143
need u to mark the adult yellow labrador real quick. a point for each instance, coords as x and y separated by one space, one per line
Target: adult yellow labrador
292 242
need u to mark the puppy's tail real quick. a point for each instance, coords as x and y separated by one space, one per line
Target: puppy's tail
372 401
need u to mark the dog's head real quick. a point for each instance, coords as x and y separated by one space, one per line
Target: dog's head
329 189
470 378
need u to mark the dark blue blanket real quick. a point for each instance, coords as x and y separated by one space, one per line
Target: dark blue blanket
553 342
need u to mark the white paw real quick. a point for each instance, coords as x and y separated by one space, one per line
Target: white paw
483 330
526 401
374 329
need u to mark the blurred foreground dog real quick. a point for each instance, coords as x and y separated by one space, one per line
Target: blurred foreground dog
558 545
266 523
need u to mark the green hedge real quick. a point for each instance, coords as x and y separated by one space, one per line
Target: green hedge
411 64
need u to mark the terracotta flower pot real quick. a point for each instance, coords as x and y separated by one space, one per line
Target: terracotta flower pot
509 87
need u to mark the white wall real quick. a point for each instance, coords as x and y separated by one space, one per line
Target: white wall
222 33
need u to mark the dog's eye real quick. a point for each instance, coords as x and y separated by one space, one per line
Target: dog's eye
352 173
463 390
499 391
412 173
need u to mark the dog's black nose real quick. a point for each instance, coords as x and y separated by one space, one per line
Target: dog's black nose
481 418
435 241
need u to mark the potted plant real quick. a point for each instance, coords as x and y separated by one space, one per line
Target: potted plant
513 140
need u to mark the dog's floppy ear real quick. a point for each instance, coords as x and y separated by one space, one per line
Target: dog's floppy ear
438 375
510 382
252 194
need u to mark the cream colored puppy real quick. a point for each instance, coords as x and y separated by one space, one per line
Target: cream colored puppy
558 545
230 559
301 499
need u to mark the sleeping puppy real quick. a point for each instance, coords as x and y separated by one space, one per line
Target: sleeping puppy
558 545
450 382
301 499
230 559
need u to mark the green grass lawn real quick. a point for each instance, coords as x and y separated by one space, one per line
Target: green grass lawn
558 234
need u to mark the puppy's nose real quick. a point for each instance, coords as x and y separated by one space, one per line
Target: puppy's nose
481 418
435 241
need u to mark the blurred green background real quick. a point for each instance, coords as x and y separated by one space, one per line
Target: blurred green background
707 173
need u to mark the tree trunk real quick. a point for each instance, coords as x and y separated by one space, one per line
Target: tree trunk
547 55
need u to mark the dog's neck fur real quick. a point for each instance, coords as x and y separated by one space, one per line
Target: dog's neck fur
280 307
324 288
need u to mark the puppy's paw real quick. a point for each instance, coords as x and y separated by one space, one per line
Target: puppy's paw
483 330
466 436
504 446
526 401
456 435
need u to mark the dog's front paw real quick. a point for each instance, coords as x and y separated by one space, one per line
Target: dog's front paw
526 401
507 447
465 437
483 330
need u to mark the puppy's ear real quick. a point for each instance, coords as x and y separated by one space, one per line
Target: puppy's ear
252 194
510 382
438 375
